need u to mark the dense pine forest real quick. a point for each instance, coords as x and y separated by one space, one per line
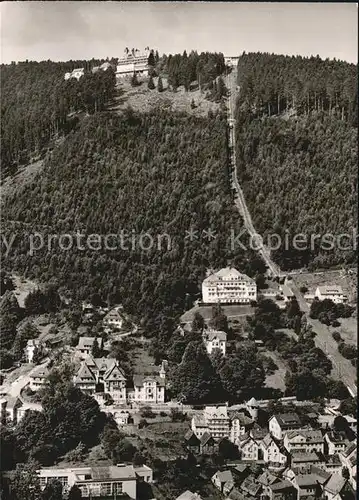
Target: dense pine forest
37 103
297 150
157 173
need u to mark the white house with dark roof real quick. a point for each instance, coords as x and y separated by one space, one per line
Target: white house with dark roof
38 377
113 320
223 481
148 389
229 286
336 442
106 371
85 344
304 440
85 379
240 425
250 448
331 292
273 452
282 423
215 339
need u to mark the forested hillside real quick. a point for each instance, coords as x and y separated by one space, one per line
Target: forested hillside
158 173
297 151
36 102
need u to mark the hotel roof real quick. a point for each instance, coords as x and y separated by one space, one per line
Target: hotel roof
225 274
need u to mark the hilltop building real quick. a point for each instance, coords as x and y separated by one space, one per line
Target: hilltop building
229 286
133 62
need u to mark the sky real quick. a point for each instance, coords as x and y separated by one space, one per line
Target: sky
61 31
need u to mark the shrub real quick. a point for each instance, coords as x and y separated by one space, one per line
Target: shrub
303 289
347 351
163 414
147 412
142 423
336 336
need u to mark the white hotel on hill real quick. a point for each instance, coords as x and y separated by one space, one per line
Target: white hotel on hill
229 286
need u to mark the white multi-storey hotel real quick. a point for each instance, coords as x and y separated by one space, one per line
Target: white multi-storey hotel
229 286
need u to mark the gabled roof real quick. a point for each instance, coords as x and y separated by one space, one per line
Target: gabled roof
242 417
336 436
225 274
350 448
84 342
251 486
210 335
253 403
335 484
39 371
191 436
310 435
281 485
188 495
84 372
33 342
224 476
205 438
267 440
266 478
287 419
114 373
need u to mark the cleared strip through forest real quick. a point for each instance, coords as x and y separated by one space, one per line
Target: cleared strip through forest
240 202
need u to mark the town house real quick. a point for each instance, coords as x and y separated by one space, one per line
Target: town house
273 452
240 425
249 448
335 442
38 377
215 339
85 344
223 481
304 440
282 423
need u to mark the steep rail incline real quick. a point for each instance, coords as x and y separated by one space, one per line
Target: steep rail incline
257 241
342 368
